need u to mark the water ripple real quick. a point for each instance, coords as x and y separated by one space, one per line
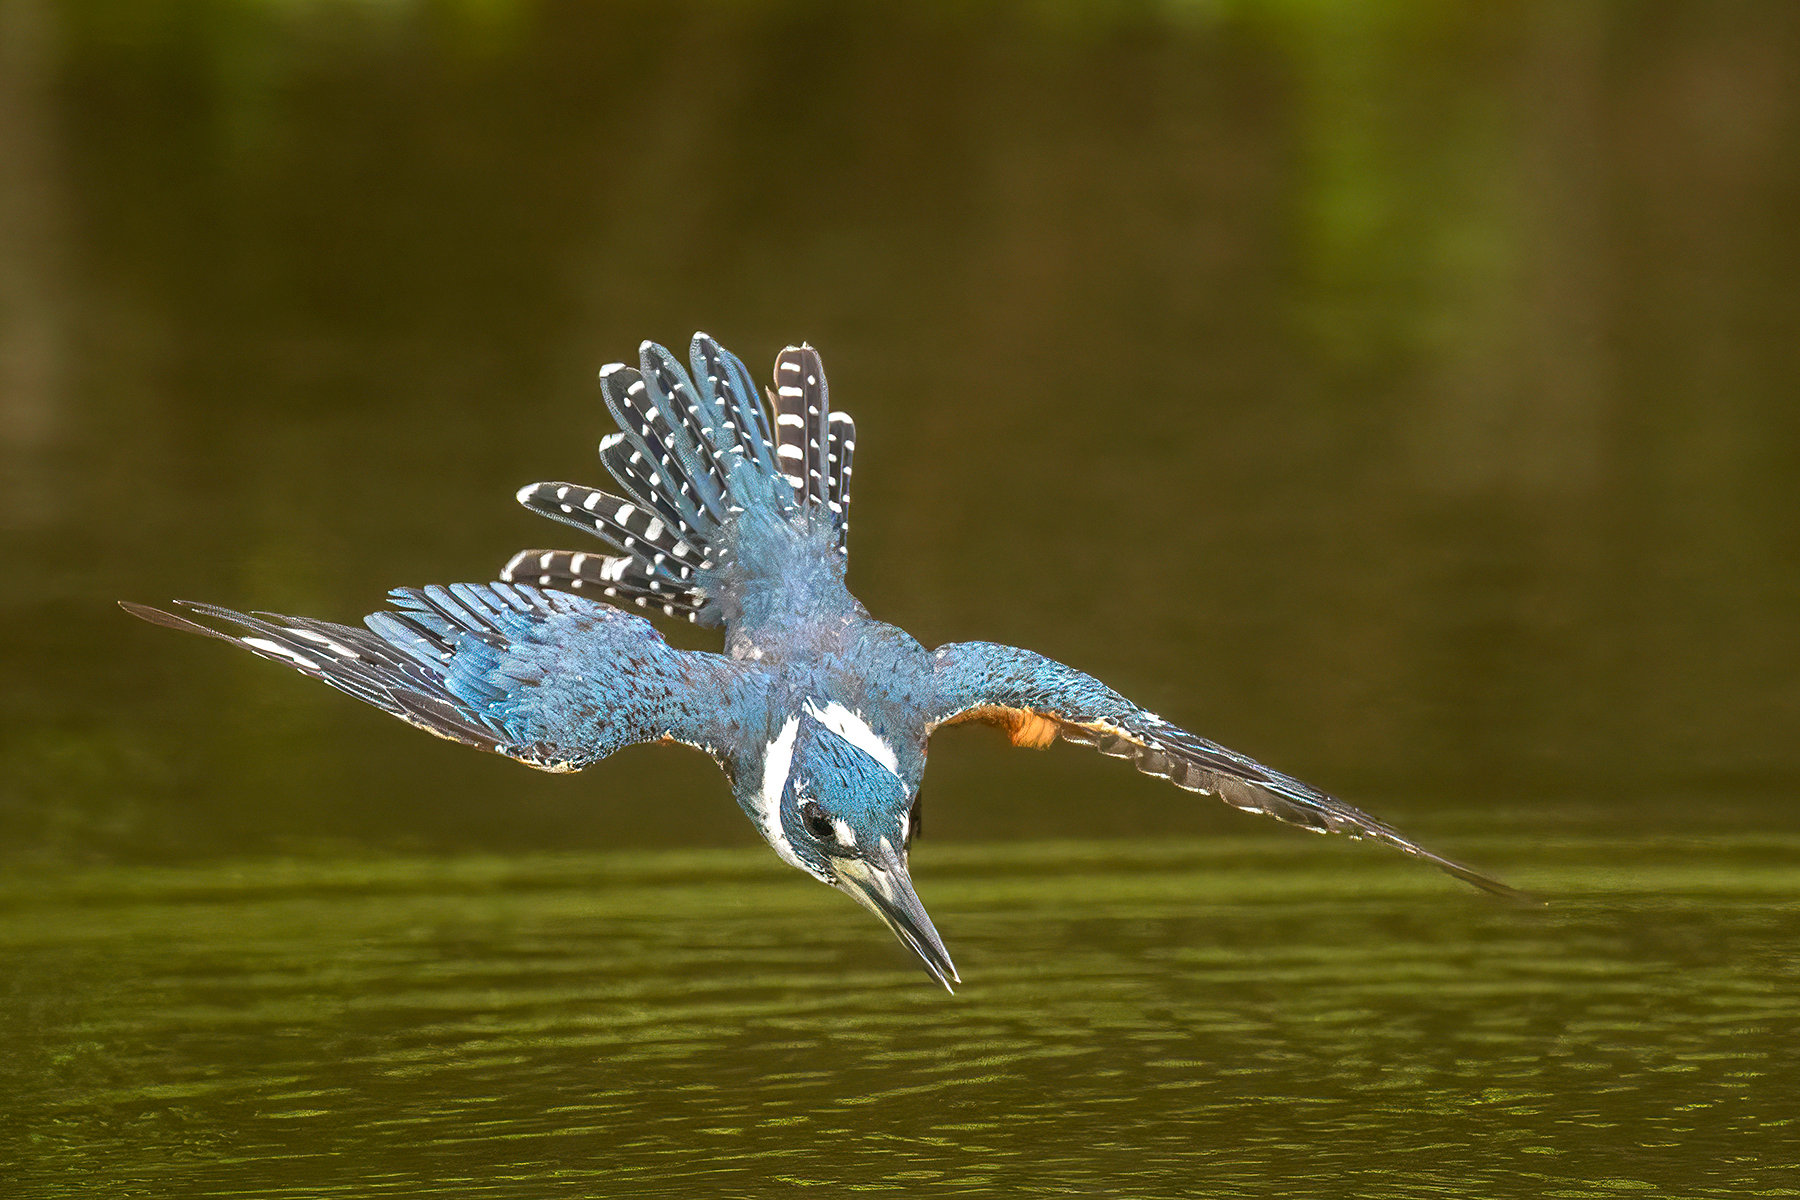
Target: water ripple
1215 1019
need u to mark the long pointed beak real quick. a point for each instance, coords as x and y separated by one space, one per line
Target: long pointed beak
881 885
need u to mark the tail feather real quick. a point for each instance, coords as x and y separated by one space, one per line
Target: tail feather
690 457
634 529
680 402
801 404
642 482
840 445
644 429
615 577
738 400
682 460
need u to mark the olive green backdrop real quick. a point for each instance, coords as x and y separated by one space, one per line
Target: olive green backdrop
1402 392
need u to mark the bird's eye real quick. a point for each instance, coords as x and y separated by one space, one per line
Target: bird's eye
816 822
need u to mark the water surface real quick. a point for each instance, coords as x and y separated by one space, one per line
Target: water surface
1225 1018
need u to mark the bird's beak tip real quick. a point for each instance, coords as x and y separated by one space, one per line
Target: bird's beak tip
887 891
943 970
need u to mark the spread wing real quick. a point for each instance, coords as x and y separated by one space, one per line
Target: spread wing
1037 700
553 680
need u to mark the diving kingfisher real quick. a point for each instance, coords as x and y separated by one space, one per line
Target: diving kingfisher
818 713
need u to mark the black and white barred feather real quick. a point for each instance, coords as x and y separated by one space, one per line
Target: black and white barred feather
615 577
401 673
802 406
814 443
743 413
683 441
840 445
553 680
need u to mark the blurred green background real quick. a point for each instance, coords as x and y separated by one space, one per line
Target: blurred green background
1400 391
1403 392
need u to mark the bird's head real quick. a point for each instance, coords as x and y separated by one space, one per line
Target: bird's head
837 800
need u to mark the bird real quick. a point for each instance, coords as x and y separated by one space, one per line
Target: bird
733 515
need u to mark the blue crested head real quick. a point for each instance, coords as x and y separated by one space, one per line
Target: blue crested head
845 797
837 799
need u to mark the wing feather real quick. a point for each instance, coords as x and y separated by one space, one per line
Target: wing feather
1037 699
551 679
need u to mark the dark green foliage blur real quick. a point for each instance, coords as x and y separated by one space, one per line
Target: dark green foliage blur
1401 392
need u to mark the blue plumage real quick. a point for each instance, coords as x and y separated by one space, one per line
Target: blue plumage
737 518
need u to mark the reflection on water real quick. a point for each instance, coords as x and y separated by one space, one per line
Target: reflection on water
1220 1019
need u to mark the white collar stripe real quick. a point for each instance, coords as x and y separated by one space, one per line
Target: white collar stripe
778 762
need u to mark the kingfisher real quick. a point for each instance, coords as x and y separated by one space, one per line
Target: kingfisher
735 516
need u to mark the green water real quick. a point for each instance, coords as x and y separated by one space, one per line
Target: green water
1224 1018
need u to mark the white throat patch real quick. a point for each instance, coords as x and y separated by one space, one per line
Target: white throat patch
778 762
853 729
